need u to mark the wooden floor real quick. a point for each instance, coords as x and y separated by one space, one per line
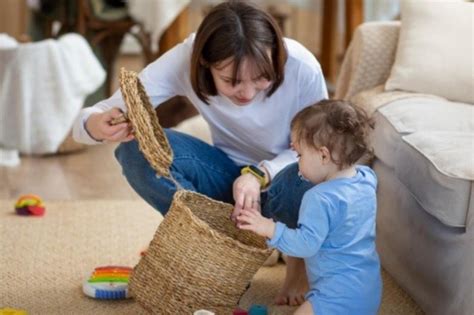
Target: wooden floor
89 174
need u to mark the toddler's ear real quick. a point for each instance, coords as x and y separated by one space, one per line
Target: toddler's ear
325 155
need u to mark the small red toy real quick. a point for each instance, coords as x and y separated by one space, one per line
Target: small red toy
29 205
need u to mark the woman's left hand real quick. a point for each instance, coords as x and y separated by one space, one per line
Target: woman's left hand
246 192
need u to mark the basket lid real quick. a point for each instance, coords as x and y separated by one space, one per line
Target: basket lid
151 138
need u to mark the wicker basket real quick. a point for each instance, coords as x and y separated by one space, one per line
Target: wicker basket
197 259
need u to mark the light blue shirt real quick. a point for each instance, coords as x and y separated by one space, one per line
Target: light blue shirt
336 237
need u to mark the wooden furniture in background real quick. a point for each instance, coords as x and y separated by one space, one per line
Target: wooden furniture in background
279 16
353 16
14 17
176 32
178 108
107 35
173 35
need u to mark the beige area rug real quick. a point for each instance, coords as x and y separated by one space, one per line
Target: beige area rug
44 260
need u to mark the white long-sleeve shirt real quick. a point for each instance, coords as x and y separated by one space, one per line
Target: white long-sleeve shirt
256 133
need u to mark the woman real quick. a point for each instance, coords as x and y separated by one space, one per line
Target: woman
247 82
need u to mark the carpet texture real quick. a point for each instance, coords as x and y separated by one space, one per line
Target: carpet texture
44 260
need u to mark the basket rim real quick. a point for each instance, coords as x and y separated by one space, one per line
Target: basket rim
215 234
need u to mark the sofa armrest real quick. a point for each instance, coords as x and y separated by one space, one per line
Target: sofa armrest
369 58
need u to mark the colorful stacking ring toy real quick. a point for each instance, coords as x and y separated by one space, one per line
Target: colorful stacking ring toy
29 205
108 283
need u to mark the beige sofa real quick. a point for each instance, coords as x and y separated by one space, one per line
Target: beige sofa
425 165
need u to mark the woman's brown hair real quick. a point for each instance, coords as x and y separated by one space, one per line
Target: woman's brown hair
336 124
239 30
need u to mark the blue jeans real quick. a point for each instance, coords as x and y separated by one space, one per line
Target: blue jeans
203 168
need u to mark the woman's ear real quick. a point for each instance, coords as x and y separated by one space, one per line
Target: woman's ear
203 62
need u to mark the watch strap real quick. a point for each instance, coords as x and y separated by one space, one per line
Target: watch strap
258 173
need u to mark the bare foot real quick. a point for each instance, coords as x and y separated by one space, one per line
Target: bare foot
296 283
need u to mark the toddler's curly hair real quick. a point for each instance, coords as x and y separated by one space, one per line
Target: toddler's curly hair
336 124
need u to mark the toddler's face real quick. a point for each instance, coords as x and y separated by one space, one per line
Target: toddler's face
248 85
310 162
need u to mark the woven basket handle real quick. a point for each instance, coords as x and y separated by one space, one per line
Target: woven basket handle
120 119
151 138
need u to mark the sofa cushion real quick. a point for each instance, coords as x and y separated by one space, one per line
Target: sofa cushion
452 153
412 136
434 53
410 115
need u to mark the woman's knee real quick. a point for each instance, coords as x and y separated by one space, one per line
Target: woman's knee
128 153
132 160
284 196
157 191
286 183
286 176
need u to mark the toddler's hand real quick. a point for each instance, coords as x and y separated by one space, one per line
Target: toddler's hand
100 127
252 220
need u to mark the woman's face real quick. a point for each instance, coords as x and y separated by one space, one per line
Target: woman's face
249 81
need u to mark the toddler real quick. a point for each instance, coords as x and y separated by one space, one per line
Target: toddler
335 234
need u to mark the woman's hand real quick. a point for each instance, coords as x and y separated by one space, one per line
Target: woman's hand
100 128
246 192
252 220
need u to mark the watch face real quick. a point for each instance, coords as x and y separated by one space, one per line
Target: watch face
257 170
